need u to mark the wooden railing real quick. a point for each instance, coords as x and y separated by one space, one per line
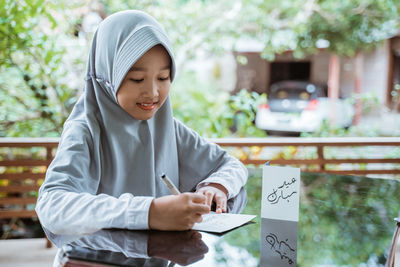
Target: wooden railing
385 158
21 172
319 159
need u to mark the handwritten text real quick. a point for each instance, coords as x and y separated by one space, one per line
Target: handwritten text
279 193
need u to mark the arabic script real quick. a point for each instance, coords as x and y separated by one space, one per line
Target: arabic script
282 192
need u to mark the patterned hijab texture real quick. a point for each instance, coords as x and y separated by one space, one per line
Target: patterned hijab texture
126 154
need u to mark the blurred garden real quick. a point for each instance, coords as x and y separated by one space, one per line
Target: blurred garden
44 47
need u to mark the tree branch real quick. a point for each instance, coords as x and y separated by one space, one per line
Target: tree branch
18 99
28 117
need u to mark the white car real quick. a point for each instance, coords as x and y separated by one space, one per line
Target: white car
295 107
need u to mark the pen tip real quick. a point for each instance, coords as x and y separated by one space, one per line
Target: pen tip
163 175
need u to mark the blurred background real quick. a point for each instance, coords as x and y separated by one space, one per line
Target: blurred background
245 68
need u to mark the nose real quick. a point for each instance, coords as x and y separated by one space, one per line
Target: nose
151 90
155 88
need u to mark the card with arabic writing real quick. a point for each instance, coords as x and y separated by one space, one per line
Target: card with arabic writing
280 193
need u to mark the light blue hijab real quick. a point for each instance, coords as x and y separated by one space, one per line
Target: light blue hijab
125 154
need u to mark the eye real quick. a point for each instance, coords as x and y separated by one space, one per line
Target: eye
136 80
163 79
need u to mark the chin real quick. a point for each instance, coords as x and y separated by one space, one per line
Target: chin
143 117
146 118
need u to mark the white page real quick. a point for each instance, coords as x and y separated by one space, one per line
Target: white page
219 223
280 193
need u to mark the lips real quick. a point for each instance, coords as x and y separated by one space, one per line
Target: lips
147 106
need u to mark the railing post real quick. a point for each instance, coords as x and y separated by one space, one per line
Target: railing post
48 153
320 152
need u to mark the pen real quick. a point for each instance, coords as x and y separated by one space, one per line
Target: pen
169 184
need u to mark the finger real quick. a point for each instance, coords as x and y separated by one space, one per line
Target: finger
224 203
198 218
198 197
209 197
192 234
224 206
221 204
200 208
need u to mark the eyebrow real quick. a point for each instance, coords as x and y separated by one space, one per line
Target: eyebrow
144 69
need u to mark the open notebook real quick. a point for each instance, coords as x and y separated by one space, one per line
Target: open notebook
219 223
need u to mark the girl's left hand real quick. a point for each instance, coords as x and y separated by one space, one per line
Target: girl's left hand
217 193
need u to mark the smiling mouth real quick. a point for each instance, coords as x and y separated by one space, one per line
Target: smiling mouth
147 106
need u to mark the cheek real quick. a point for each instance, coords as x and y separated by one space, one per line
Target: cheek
126 99
164 90
121 97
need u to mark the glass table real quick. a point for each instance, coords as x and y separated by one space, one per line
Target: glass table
343 221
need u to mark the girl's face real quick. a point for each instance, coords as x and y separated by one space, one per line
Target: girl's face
146 85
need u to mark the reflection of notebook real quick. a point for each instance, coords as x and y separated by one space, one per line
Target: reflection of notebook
219 223
75 256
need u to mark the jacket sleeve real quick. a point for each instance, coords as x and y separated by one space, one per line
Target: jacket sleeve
206 162
68 202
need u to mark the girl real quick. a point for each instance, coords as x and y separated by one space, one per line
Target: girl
121 137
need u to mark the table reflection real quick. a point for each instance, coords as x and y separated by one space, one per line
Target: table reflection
135 248
343 221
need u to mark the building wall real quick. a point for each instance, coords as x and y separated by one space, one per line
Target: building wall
375 73
255 74
320 67
347 68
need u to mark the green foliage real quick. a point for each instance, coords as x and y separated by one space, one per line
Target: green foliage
345 26
201 107
212 112
35 97
369 101
244 105
38 73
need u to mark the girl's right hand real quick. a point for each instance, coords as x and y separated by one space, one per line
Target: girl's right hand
177 212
